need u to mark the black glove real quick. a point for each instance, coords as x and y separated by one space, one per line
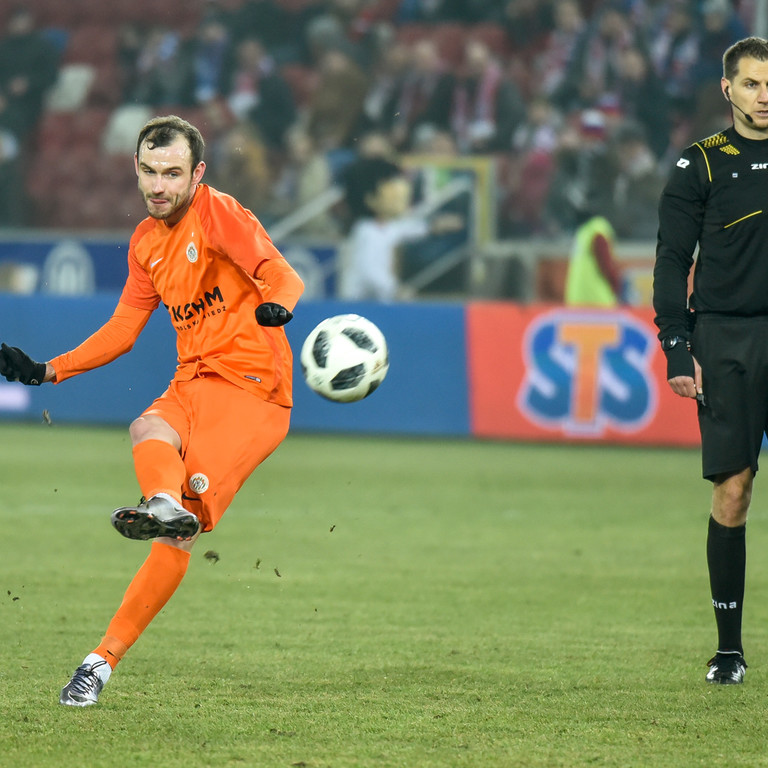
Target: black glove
679 361
16 365
272 314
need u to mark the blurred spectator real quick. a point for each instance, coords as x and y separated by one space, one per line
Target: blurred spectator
641 97
437 11
526 175
375 144
159 71
674 50
422 95
12 203
550 64
271 23
486 106
379 194
583 176
129 44
326 32
390 68
207 55
540 129
304 175
594 69
593 278
240 166
637 186
528 22
28 68
258 93
721 27
335 109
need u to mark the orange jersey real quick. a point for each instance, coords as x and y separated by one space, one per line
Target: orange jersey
210 270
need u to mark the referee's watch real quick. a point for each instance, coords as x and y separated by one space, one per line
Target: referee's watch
670 342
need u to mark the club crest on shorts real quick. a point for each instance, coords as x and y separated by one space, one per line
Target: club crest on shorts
191 253
199 483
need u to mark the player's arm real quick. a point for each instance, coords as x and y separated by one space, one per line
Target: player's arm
681 213
282 287
238 234
114 338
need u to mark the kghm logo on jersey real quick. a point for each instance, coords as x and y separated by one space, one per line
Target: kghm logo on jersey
588 372
192 253
209 304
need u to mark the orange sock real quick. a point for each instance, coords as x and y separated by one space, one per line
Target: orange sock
159 468
151 588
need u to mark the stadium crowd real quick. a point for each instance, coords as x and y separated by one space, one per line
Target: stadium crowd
581 103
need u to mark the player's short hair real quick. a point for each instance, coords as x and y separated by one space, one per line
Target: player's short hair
748 48
162 131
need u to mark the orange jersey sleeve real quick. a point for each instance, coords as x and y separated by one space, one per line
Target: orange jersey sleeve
116 337
211 270
279 283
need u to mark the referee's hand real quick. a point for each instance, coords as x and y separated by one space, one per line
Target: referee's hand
688 386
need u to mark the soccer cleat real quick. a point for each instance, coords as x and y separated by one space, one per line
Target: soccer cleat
85 686
159 516
726 668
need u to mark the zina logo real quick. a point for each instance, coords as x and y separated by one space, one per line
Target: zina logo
586 372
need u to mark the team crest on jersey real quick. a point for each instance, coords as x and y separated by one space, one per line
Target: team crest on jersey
199 483
191 253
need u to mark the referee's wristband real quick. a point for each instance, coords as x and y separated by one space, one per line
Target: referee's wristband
679 358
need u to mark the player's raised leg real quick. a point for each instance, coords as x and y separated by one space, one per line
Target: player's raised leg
161 473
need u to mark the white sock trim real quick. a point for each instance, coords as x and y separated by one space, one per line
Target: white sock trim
167 497
103 670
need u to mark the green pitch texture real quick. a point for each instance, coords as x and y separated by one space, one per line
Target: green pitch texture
399 603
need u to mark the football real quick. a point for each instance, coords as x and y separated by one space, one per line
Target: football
345 358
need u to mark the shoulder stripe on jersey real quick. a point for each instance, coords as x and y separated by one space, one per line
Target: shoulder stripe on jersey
709 170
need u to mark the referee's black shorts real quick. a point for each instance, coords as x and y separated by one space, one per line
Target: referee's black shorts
733 354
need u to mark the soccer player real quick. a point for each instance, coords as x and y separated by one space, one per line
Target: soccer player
228 291
717 198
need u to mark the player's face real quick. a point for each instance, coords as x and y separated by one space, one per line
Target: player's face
749 92
167 181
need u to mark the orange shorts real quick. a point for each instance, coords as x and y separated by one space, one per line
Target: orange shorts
225 434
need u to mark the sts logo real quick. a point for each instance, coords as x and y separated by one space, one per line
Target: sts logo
586 372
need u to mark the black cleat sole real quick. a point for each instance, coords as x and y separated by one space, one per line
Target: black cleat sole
135 524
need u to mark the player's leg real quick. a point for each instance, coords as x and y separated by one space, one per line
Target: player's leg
160 472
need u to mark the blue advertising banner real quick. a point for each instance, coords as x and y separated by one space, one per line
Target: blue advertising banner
425 391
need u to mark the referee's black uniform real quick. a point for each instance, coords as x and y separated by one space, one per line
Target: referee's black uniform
717 198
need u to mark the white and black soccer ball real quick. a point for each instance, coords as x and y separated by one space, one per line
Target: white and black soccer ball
345 358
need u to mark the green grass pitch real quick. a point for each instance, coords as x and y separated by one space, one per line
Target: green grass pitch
381 602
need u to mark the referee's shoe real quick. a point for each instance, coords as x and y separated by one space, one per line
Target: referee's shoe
726 668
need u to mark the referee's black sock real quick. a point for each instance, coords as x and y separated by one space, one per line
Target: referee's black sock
727 561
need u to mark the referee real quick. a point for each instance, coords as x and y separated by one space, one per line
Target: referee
716 343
